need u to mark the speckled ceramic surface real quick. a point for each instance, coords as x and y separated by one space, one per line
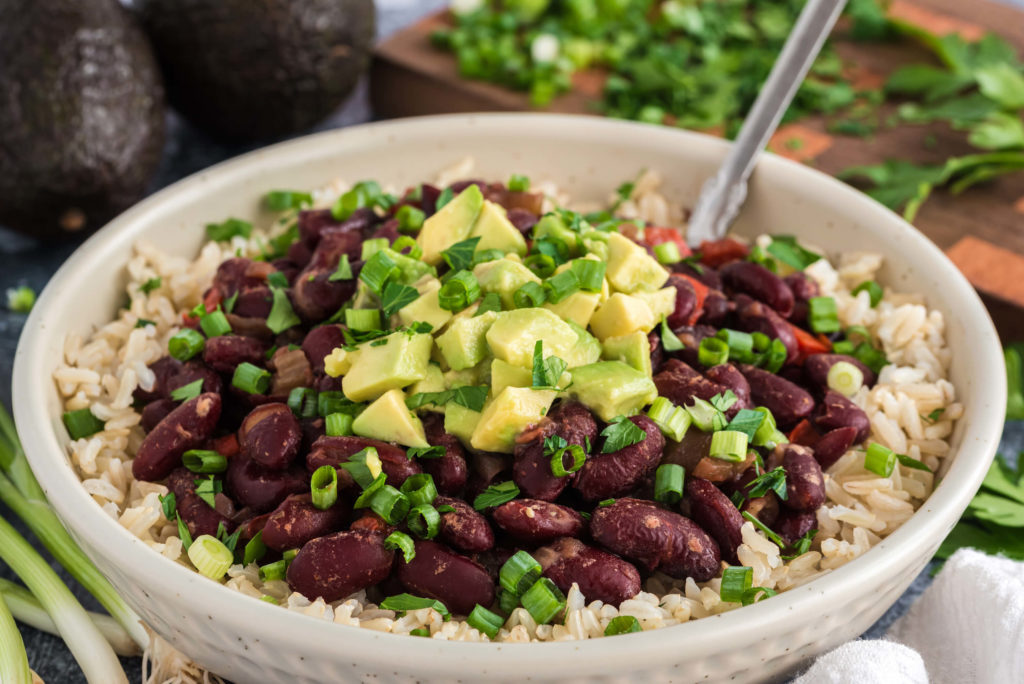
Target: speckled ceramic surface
250 641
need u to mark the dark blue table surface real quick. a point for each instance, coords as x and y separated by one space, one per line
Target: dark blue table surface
27 262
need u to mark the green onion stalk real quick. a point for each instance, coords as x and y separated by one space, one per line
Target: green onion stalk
20 490
13 659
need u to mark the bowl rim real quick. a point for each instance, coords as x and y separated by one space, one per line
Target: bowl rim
239 612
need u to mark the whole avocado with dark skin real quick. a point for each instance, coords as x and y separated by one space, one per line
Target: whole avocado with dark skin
81 114
258 69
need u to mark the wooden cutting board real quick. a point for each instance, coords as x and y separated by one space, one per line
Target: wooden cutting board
982 230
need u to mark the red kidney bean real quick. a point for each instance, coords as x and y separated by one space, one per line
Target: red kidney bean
791 525
450 471
726 375
760 283
535 522
196 370
340 564
493 559
260 488
607 475
464 528
299 253
803 289
680 383
599 575
686 301
439 573
787 402
805 483
184 428
286 267
657 353
833 445
251 526
837 411
523 220
312 430
754 316
334 242
717 308
313 222
238 273
764 508
198 516
271 436
713 511
484 469
255 302
336 450
224 352
155 411
371 522
325 383
532 202
656 538
316 297
297 520
387 230
817 366
705 274
531 468
429 195
320 342
164 369
251 327
688 452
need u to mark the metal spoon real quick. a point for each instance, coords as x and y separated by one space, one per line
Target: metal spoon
723 194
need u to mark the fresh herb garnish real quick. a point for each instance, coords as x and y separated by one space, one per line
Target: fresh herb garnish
396 297
168 504
143 322
208 488
425 452
459 256
772 481
724 402
786 249
490 302
470 396
344 270
746 421
150 285
669 340
282 200
189 391
546 372
495 495
446 196
553 444
232 227
621 433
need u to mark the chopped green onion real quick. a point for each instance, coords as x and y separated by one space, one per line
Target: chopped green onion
214 324
324 487
873 289
461 290
712 351
667 253
529 294
378 270
772 537
768 435
410 219
519 573
403 603
507 601
401 542
752 595
363 194
485 621
255 549
82 423
371 247
761 341
590 273
870 357
232 227
845 378
518 183
185 344
706 417
282 200
879 459
204 461
332 401
822 315
622 624
668 338
741 344
338 425
369 490
424 521
844 347
857 334
274 571
303 402
189 391
543 601
282 316
543 265
775 357
210 557
403 241
736 580
250 378
344 270
362 320
485 255
22 299
729 445
579 456
390 504
420 489
269 599
560 286
668 482
420 632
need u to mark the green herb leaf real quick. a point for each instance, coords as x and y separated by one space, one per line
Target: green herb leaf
553 444
150 285
470 396
490 302
495 495
786 249
772 481
621 433
189 391
208 488
396 297
403 603
724 402
232 227
460 255
282 316
168 504
446 196
1003 83
668 338
282 200
546 372
425 452
344 270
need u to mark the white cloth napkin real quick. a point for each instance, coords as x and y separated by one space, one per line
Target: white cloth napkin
967 627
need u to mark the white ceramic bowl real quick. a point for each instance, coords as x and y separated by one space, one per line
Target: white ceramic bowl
250 641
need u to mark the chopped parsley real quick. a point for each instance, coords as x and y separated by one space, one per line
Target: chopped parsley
620 433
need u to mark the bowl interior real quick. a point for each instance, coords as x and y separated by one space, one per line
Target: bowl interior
588 157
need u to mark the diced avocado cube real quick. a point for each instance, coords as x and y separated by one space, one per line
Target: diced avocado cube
621 315
577 307
504 276
433 381
339 362
389 419
552 226
401 361
507 415
476 375
460 421
633 349
596 244
515 333
612 388
586 350
504 374
450 224
661 302
427 308
463 344
496 231
631 268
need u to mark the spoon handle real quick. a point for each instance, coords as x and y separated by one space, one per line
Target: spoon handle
723 194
